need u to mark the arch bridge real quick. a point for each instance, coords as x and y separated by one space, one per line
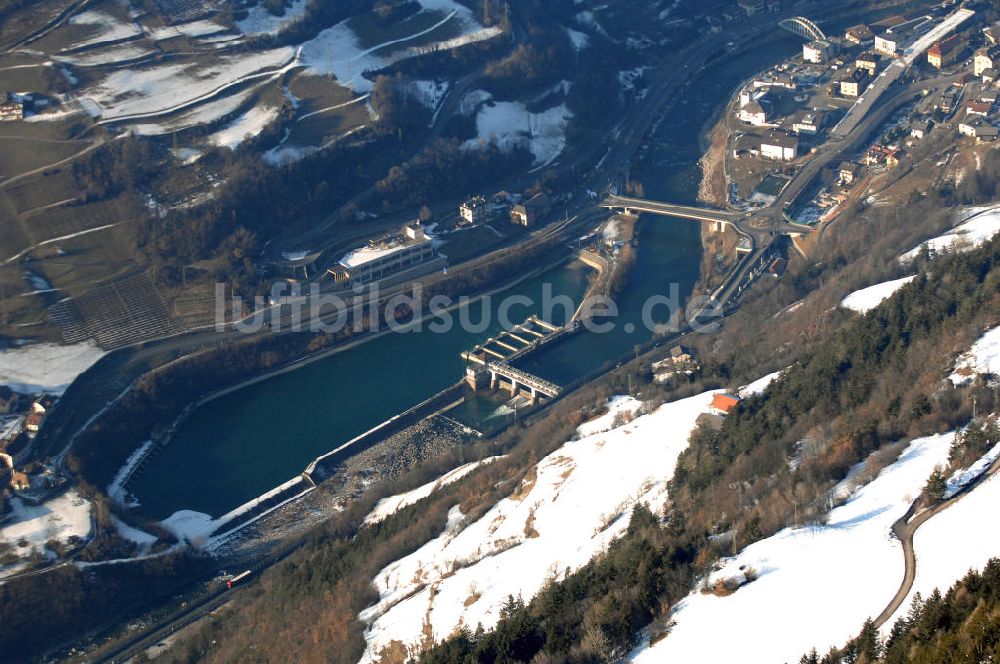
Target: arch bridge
803 27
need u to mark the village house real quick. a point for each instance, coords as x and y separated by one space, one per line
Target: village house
848 173
779 146
724 402
992 34
984 59
881 154
920 129
967 127
986 133
817 52
860 35
808 122
474 211
11 111
980 108
944 53
896 30
854 82
754 114
529 212
868 61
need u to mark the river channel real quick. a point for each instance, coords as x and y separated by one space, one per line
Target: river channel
244 443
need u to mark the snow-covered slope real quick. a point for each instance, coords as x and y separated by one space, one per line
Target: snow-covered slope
509 124
866 299
951 543
389 506
572 504
46 367
977 226
816 584
982 358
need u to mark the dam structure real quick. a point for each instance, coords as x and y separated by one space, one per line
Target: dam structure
488 365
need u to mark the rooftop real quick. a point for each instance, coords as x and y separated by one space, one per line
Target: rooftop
412 235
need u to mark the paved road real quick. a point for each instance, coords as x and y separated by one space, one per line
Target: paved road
904 529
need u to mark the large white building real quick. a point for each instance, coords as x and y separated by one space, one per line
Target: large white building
778 146
410 252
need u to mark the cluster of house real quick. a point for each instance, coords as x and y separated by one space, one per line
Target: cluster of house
680 361
11 109
478 210
12 443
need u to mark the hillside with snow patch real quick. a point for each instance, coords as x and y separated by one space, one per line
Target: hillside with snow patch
569 507
982 358
976 225
849 568
866 299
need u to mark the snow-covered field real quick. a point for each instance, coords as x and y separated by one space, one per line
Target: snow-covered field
248 125
816 584
951 543
46 367
982 358
866 299
139 93
977 226
108 56
509 125
109 28
191 29
260 21
389 506
569 508
58 519
338 49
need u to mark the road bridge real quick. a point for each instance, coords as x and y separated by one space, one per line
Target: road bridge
720 218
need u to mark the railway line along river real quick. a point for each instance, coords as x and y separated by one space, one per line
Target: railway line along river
249 440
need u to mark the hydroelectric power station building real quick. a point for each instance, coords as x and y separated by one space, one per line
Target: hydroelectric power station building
390 258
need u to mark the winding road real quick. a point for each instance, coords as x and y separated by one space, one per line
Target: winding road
904 529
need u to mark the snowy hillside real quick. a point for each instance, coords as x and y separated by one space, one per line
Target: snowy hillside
982 358
851 562
389 506
955 541
977 226
569 508
866 299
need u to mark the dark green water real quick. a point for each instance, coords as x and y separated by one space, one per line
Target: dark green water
245 443
241 445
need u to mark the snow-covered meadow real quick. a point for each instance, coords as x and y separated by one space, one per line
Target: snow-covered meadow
569 508
48 368
61 518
